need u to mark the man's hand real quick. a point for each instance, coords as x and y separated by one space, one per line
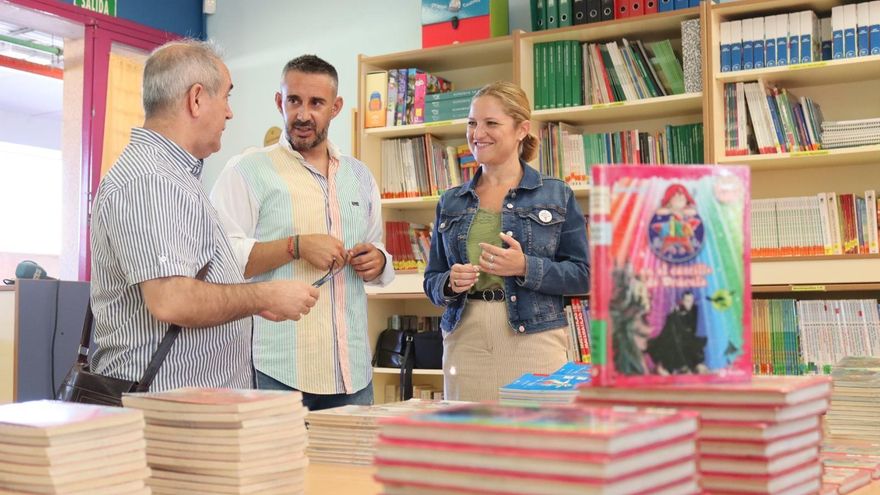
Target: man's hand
288 300
367 260
320 250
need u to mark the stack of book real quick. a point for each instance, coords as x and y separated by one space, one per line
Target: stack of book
560 387
224 440
848 465
347 434
760 436
847 133
855 401
74 449
548 450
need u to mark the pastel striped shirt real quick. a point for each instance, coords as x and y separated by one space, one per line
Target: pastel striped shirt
152 219
273 193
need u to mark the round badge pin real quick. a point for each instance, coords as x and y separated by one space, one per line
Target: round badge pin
545 216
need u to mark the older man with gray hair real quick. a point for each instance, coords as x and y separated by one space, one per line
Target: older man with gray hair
153 229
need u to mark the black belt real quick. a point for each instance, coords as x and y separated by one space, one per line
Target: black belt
490 295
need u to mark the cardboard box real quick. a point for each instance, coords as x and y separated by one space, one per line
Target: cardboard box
445 22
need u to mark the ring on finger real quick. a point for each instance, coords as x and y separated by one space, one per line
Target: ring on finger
491 258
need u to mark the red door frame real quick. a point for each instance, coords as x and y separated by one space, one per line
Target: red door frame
100 32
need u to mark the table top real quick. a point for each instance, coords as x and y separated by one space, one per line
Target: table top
331 479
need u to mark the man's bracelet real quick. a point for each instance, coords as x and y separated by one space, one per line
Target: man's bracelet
293 246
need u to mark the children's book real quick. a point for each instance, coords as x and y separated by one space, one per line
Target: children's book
213 400
572 428
47 419
670 295
565 380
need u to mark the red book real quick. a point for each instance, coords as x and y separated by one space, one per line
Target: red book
808 473
757 465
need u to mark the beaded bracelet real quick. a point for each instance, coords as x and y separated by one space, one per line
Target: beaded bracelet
293 246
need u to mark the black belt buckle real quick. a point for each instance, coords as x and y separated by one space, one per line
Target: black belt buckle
489 295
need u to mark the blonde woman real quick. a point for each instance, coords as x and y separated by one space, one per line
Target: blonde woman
507 245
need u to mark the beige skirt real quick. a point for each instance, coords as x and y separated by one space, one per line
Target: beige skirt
484 353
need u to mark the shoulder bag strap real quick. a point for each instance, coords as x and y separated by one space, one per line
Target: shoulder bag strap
406 367
143 385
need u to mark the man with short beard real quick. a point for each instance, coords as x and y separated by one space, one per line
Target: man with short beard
301 210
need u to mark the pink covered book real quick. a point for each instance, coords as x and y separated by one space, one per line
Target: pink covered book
670 295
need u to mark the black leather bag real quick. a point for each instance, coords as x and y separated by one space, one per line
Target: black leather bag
428 348
390 348
83 385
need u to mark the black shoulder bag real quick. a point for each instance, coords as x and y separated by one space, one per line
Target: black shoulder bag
83 385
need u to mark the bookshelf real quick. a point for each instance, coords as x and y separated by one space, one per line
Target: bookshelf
844 90
838 86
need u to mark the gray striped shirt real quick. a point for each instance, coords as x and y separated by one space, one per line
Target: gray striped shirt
152 219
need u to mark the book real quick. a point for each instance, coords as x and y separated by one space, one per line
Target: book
212 400
559 386
761 390
670 295
773 448
756 431
45 419
710 463
569 428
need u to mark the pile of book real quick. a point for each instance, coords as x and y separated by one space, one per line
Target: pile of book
448 106
848 465
760 436
74 449
855 400
223 440
347 434
847 133
548 450
559 387
398 96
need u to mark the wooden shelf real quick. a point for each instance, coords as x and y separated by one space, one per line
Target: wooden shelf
396 371
650 25
472 54
747 8
860 155
447 129
404 286
824 257
430 202
623 111
811 74
814 288
858 271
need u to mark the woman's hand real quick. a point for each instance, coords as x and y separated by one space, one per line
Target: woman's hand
510 262
463 277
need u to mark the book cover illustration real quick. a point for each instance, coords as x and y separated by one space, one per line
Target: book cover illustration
565 379
670 288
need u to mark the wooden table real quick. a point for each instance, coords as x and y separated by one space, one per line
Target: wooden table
330 479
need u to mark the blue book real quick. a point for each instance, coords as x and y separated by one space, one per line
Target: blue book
736 56
864 41
782 50
565 379
725 47
777 123
806 48
758 54
849 41
681 4
665 6
748 49
794 48
837 45
874 35
770 52
827 51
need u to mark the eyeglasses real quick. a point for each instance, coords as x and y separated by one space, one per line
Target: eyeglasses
329 275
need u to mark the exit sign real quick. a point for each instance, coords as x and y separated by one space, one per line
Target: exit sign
107 7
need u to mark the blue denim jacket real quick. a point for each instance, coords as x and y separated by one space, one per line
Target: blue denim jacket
543 215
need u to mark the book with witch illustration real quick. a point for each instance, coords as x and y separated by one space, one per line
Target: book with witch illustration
670 295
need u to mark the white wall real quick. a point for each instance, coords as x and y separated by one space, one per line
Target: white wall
258 38
30 130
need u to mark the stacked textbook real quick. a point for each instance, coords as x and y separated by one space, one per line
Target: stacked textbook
224 440
547 450
760 436
855 400
347 434
559 387
846 133
72 449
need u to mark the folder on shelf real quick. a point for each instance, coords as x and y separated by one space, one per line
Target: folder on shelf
863 14
681 4
551 11
636 8
564 12
782 39
594 11
608 10
735 45
652 5
758 45
748 45
809 36
874 31
837 21
621 9
850 24
794 38
536 9
770 41
827 38
665 6
693 3
579 12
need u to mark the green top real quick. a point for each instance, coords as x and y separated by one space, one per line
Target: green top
485 228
